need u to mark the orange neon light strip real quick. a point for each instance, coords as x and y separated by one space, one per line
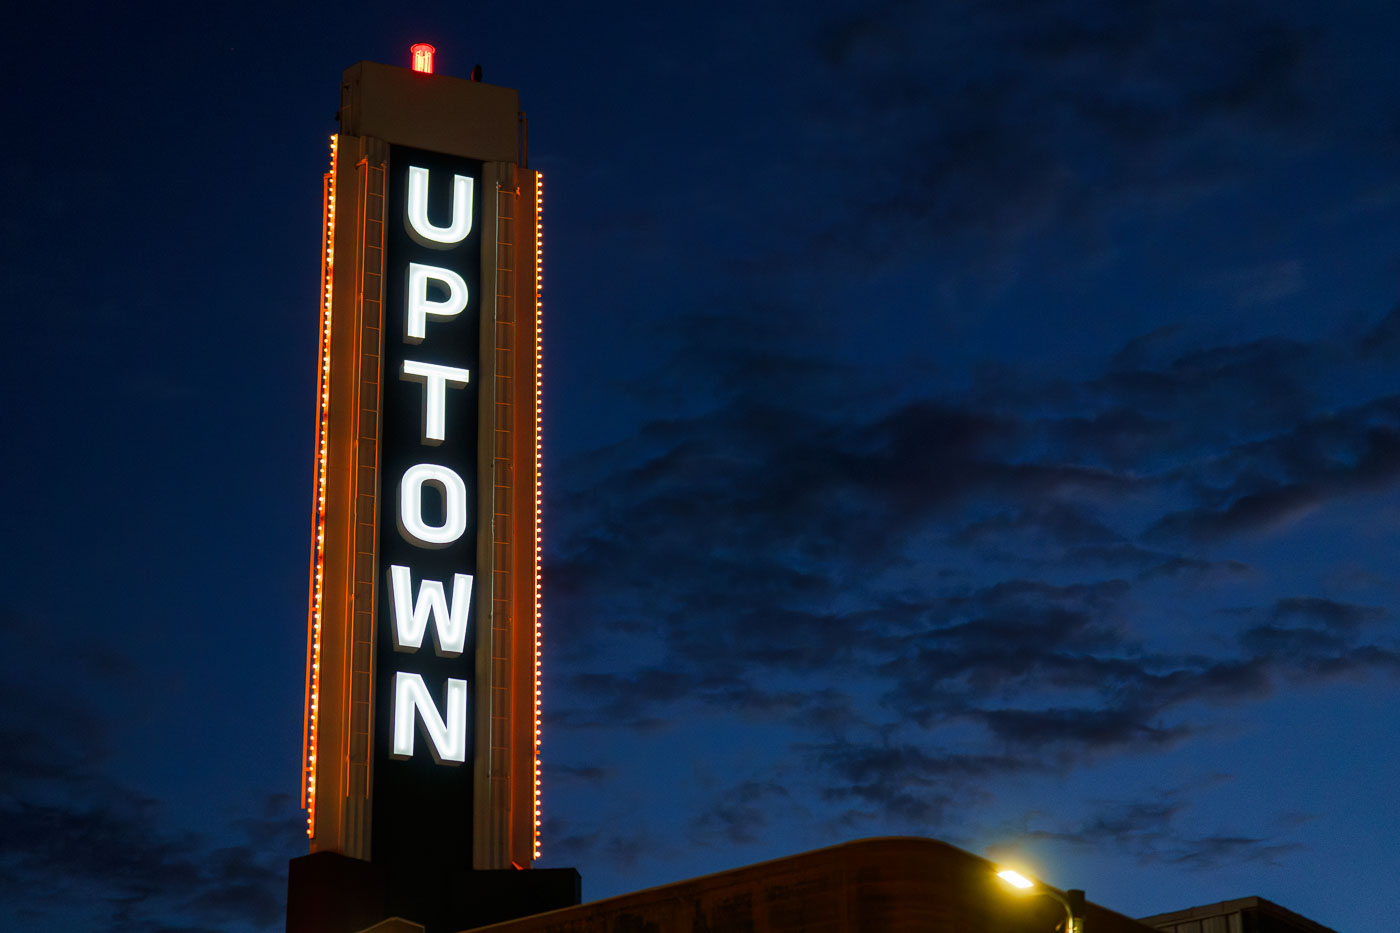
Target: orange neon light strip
539 465
318 510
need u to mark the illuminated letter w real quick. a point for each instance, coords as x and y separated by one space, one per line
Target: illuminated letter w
410 616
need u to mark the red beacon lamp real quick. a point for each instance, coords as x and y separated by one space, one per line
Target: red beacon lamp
423 58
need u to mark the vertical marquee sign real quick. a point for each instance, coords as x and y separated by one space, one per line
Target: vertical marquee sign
422 686
428 527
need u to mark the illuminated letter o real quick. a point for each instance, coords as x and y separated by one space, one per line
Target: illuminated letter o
454 497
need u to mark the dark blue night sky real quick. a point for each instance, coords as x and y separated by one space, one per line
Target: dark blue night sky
978 420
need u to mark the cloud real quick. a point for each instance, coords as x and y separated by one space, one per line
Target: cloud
1382 342
1151 832
738 815
931 590
1213 852
1252 513
111 849
1095 728
905 784
619 848
981 125
1274 481
1309 638
76 841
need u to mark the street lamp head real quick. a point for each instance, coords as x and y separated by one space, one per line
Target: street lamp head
1073 904
1015 879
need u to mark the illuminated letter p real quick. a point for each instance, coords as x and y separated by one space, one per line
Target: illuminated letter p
421 307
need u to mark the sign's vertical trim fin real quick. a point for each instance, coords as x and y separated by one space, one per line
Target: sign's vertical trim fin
539 417
318 508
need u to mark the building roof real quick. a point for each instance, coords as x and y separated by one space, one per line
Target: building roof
1278 919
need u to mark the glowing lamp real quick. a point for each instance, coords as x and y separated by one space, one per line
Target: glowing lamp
1072 901
423 58
1015 879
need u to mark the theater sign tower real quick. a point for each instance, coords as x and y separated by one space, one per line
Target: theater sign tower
420 774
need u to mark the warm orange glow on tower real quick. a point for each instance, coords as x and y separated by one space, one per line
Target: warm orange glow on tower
423 58
318 507
539 465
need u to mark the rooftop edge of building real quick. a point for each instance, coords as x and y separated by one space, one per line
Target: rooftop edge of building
405 108
1264 906
889 883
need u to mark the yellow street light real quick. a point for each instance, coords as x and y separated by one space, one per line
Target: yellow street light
1072 900
1015 878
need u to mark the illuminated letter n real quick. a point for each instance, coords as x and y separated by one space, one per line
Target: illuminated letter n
446 740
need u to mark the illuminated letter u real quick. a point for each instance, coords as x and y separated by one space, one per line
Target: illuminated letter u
424 231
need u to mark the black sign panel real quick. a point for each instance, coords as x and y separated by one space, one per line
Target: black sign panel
422 800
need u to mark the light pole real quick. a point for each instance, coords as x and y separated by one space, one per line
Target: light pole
1072 900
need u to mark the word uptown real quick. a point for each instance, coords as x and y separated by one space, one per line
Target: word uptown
427 314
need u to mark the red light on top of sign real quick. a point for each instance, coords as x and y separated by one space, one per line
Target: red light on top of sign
423 58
